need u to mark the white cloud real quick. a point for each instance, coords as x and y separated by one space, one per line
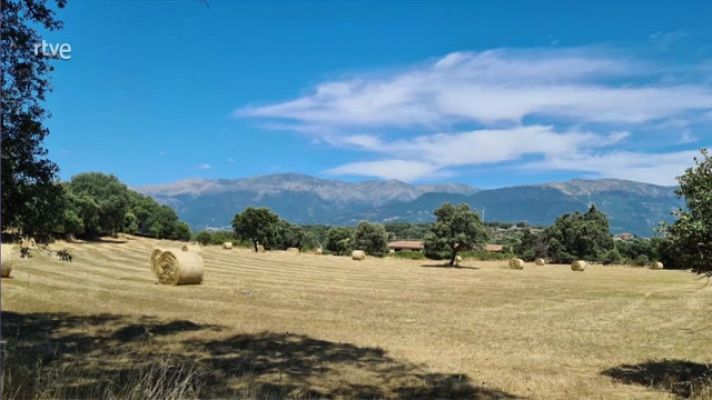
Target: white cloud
204 166
494 86
655 168
387 169
664 40
591 99
430 154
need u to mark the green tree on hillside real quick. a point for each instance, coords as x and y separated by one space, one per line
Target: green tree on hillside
456 228
691 234
289 235
579 236
31 199
339 240
258 225
371 238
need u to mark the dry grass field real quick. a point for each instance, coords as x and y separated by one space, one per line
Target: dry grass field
278 324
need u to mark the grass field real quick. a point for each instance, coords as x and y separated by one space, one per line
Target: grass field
299 325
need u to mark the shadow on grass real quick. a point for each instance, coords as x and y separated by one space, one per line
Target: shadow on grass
85 355
447 266
679 377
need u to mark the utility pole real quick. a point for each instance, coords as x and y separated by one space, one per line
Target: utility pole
483 215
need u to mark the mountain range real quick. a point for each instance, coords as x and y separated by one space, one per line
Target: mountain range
633 207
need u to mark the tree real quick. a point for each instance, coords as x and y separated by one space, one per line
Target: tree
105 199
579 236
371 238
289 235
339 240
456 228
258 225
691 234
530 246
31 200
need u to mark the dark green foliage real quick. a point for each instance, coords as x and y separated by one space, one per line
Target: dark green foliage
258 225
339 240
691 234
456 228
578 236
530 246
612 256
289 235
102 201
215 237
94 204
633 248
31 201
371 238
642 260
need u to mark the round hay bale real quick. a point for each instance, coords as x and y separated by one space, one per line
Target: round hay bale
358 255
191 247
516 263
179 268
260 248
227 245
458 260
153 258
657 265
319 251
579 265
540 261
293 250
5 260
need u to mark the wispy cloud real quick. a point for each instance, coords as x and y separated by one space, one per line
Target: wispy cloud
664 40
554 104
204 166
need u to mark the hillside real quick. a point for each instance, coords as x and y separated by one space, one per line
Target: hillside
631 206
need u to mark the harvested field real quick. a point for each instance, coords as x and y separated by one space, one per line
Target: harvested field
278 324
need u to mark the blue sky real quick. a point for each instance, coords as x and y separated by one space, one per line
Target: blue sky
487 94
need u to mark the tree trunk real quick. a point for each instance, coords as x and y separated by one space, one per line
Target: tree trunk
254 242
452 258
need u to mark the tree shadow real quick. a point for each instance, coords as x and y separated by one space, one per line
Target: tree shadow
98 351
448 266
680 377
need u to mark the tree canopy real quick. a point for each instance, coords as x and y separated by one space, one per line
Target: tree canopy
456 228
30 196
258 225
579 236
691 234
371 238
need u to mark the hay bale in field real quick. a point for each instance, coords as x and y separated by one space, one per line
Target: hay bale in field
516 263
227 245
579 265
319 251
458 260
179 268
540 261
153 258
293 250
657 265
5 260
260 248
192 247
358 255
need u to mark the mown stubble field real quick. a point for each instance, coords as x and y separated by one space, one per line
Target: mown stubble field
280 324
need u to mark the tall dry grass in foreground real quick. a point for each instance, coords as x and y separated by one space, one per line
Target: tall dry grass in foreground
276 325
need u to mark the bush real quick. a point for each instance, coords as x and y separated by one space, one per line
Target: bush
408 254
612 257
641 261
371 238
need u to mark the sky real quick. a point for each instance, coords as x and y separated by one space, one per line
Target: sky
490 94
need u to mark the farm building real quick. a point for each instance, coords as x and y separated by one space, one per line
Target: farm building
494 248
406 245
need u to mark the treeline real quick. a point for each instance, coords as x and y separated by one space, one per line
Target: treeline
94 204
